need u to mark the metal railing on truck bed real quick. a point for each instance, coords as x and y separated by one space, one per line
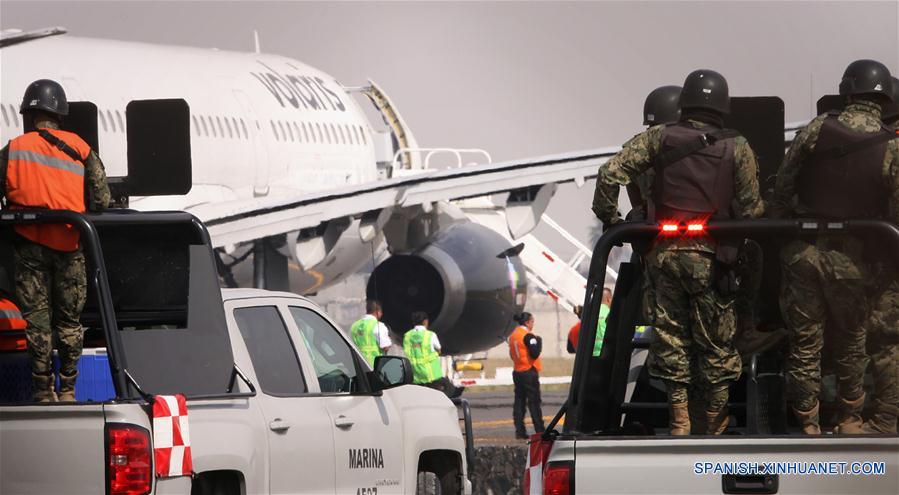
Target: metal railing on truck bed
605 392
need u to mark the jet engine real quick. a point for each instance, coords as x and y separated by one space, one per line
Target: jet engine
468 279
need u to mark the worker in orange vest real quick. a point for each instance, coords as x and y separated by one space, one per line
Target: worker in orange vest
48 168
12 325
524 349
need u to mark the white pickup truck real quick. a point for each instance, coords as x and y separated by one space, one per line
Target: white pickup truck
278 400
614 437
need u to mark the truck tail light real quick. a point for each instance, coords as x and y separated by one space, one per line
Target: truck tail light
558 478
670 228
538 453
695 228
129 468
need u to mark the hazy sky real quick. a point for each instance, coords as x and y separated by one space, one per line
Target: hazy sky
520 79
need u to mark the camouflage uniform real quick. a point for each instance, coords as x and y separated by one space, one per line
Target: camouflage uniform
827 279
692 320
51 286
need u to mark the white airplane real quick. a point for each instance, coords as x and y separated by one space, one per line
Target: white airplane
287 168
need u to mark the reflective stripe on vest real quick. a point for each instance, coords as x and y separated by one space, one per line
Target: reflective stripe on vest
11 320
40 175
425 361
363 332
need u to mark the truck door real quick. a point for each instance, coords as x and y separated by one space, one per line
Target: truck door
368 436
301 448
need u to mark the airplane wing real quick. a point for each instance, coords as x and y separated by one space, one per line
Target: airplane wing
241 221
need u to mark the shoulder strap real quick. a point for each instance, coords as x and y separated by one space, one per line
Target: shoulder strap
875 139
59 143
701 141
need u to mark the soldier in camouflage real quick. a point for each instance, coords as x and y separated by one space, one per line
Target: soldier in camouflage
826 280
693 318
51 285
882 325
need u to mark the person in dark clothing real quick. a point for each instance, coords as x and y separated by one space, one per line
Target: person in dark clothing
524 349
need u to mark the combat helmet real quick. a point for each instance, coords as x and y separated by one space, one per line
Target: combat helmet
45 95
705 89
661 106
867 77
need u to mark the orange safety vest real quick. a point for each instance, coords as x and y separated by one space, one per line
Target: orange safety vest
12 327
40 175
519 353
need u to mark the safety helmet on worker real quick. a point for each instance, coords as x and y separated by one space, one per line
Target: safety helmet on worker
45 95
661 106
705 89
867 77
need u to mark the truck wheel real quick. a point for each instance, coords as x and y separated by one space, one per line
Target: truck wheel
428 484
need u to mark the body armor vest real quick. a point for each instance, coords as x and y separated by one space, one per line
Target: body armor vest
844 179
699 185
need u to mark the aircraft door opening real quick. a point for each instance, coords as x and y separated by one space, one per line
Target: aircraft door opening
260 155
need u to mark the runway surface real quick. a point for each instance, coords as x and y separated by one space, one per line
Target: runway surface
491 414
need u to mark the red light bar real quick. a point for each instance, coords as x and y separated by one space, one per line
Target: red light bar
695 227
669 227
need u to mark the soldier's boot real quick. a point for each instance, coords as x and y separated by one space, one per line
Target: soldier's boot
717 421
808 420
850 422
883 421
67 387
42 388
698 423
679 418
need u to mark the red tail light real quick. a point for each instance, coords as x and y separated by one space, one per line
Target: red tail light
558 478
129 469
670 228
695 227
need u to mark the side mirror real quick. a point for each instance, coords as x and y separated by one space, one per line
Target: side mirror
391 371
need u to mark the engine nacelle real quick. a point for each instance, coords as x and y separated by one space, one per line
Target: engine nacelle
468 280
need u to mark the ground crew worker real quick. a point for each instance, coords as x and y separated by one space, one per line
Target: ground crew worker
422 347
12 323
48 168
825 279
702 171
882 325
524 351
575 331
370 334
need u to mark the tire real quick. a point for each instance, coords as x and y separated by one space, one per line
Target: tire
428 484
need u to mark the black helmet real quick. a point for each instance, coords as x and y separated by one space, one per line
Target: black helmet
45 95
891 110
661 107
707 89
866 77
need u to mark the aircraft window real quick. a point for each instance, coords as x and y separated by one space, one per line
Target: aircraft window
218 120
111 120
296 130
118 117
5 118
318 127
289 131
342 136
102 120
349 135
274 129
205 129
228 126
305 131
283 134
236 129
362 132
243 126
356 134
212 127
196 124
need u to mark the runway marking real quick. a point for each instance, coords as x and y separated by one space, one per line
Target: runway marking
509 422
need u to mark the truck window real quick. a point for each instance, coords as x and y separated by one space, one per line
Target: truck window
332 357
271 350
